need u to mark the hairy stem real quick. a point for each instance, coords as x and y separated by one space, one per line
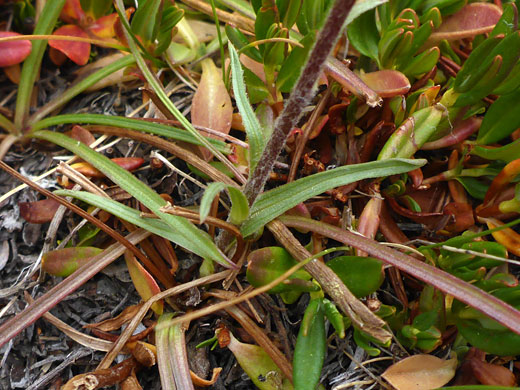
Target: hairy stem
300 97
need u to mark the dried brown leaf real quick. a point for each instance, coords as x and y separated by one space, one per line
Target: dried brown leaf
115 323
420 372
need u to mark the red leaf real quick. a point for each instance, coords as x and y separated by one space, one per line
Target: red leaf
471 20
81 134
78 52
40 211
14 52
128 163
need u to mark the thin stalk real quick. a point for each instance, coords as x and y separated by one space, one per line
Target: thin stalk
221 44
76 89
227 17
161 93
240 6
31 66
300 97
491 306
7 124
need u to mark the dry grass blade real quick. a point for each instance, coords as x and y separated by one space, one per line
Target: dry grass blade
125 336
81 338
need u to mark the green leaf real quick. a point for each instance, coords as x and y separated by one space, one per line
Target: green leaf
31 65
252 125
146 20
501 119
506 153
362 275
126 123
476 188
288 10
361 7
239 206
192 239
291 68
275 202
238 39
413 133
310 348
155 226
97 8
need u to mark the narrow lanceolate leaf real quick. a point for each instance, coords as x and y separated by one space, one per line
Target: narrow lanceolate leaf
239 206
311 345
155 226
162 342
211 106
273 203
127 123
500 120
252 125
143 282
192 239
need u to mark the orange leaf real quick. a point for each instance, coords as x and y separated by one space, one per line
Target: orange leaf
471 20
78 52
420 372
72 12
41 211
14 52
211 106
104 26
144 283
507 237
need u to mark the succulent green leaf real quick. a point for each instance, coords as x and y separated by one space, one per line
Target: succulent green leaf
506 153
239 206
362 275
275 202
501 119
146 20
291 68
363 34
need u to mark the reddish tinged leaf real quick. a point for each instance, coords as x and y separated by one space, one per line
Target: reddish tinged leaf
41 211
78 52
63 262
420 372
387 83
211 106
82 135
462 214
144 283
13 73
14 52
471 20
104 27
492 374
128 163
501 180
72 11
